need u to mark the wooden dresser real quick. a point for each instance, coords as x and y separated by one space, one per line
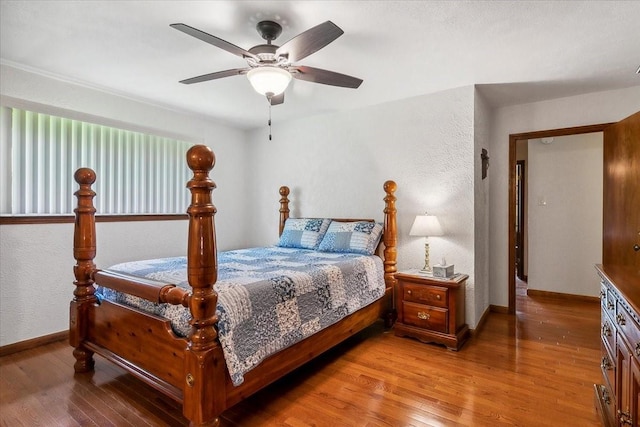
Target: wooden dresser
618 396
432 309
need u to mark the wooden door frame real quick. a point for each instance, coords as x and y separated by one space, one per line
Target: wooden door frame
520 196
512 192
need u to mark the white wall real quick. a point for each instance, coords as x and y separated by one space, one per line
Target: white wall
565 214
336 165
601 107
482 254
36 261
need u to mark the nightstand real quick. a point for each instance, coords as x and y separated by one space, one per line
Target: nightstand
431 309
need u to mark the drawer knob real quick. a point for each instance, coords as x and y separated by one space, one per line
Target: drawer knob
409 292
424 316
438 297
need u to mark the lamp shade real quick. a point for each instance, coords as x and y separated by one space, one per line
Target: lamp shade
426 225
269 79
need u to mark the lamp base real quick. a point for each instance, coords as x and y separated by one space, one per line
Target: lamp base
427 264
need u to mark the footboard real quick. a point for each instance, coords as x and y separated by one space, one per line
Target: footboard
141 343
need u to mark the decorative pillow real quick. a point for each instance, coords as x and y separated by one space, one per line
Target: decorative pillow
304 233
359 237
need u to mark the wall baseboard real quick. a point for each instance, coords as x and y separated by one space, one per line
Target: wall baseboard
559 295
6 350
481 322
498 309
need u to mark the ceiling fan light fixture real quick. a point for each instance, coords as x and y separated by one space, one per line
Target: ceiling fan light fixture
269 79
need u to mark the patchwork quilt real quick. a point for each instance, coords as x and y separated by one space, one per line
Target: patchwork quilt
268 298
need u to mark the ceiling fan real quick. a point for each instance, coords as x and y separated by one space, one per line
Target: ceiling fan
270 67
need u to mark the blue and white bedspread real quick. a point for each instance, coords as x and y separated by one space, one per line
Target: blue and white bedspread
268 298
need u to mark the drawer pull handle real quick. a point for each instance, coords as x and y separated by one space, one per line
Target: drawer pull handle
605 395
424 316
620 319
606 330
605 363
638 349
609 305
625 418
602 294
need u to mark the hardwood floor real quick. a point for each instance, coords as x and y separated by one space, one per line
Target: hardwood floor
533 369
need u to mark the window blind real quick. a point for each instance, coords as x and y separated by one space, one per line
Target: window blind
137 173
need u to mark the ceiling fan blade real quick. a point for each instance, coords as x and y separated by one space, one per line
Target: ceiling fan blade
310 41
216 75
213 40
318 75
276 99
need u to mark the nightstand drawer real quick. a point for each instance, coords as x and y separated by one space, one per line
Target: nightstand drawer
424 294
422 316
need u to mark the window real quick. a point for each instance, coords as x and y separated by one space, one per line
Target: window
136 173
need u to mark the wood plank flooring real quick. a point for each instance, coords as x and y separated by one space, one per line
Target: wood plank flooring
533 369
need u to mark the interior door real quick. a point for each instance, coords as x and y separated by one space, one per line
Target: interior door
621 216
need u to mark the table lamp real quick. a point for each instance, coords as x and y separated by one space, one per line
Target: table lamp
426 225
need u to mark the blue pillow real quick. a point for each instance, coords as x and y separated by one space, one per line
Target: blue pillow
303 233
359 237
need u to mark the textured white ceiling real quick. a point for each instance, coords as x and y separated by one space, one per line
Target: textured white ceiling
520 51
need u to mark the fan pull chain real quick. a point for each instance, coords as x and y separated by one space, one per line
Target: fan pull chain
269 120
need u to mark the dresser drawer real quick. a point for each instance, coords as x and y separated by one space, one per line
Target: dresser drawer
422 316
608 366
608 331
608 399
629 329
608 301
423 294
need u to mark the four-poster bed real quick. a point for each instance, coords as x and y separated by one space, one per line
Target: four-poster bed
192 369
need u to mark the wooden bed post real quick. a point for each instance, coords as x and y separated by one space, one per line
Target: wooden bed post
390 237
284 207
84 251
204 389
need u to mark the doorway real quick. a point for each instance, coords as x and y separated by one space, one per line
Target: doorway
513 196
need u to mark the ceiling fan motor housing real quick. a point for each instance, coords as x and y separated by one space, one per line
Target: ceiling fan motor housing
269 30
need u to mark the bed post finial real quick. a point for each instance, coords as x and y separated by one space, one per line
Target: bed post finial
84 252
390 237
204 363
284 207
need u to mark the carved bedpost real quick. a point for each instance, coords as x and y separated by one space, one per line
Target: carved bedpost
284 207
204 364
84 251
390 237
